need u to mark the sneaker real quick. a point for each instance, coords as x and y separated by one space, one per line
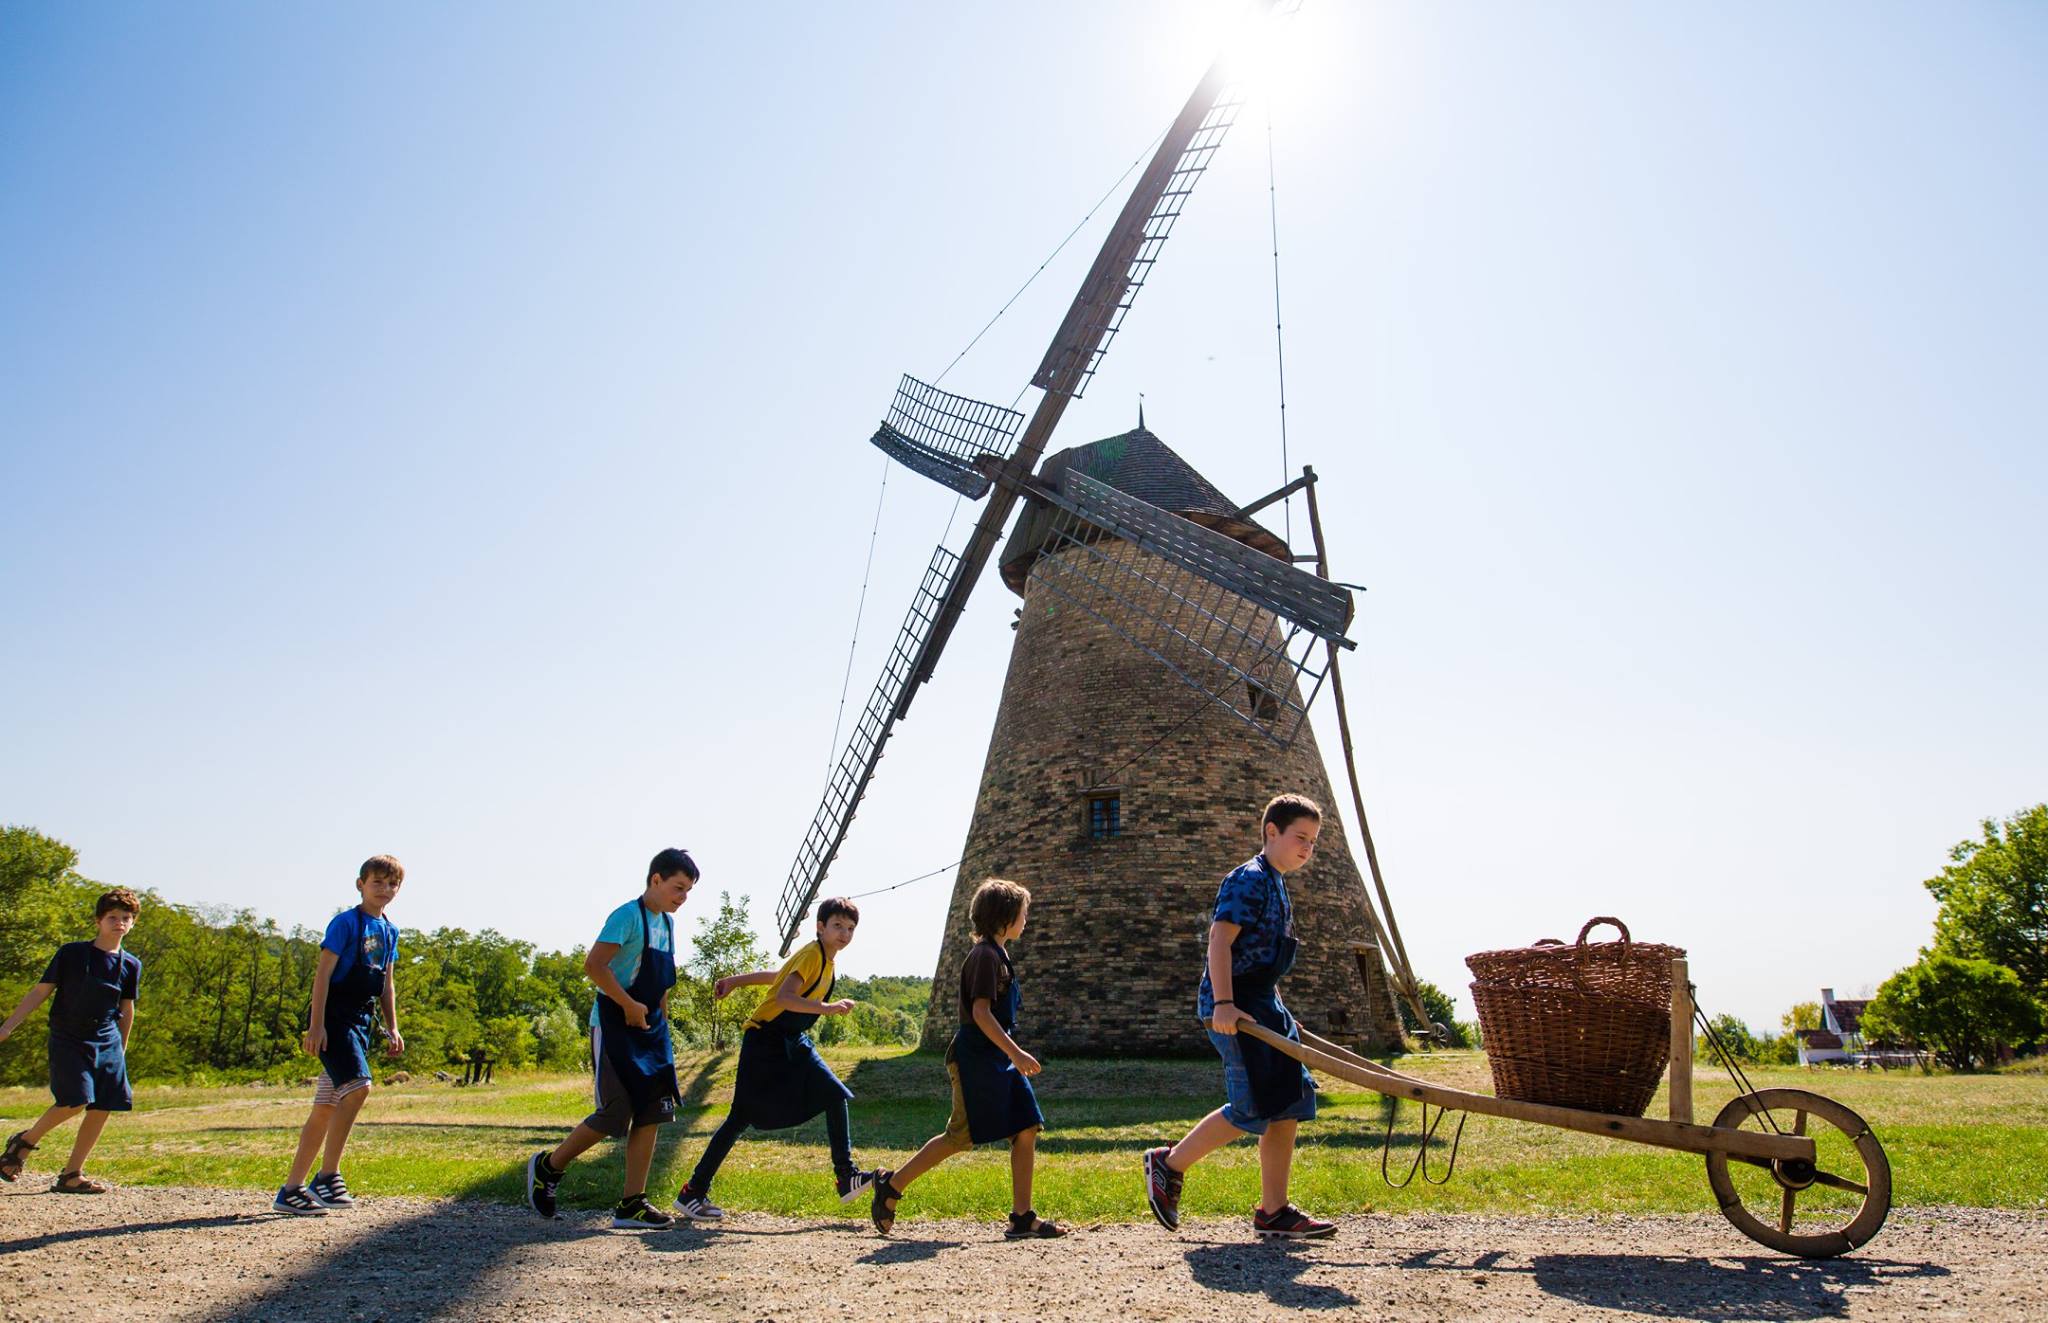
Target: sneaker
331 1192
1292 1224
636 1214
296 1199
541 1180
853 1182
1162 1188
697 1207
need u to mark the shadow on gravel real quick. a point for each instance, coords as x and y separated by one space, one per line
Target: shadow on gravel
1721 1289
438 1260
126 1229
1271 1270
909 1251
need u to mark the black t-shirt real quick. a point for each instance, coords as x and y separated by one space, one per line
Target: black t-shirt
74 969
985 973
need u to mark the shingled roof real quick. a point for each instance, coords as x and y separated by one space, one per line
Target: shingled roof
1138 464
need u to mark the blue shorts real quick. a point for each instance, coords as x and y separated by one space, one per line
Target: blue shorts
90 1073
1237 1087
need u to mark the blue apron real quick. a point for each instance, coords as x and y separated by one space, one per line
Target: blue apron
1278 1081
644 1059
351 1015
91 1069
782 1079
999 1100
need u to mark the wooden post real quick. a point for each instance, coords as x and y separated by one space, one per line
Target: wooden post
1681 1041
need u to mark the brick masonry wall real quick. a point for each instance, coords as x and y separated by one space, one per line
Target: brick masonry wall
1111 958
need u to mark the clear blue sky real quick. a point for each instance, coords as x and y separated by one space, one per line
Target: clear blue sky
441 430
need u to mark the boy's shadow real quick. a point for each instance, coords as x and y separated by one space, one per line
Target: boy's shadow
1273 1270
909 1251
130 1229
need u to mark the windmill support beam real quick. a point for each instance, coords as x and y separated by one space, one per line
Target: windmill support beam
1307 479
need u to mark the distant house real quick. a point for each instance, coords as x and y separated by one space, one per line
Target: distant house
1840 1036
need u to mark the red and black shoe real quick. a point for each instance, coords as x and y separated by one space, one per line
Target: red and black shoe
1162 1188
1290 1223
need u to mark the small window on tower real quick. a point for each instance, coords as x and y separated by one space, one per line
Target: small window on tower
1105 817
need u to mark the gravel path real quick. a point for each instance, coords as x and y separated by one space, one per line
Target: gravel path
142 1254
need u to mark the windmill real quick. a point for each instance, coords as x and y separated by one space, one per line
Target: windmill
1186 600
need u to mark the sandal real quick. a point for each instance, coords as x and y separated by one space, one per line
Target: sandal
12 1161
1028 1225
72 1182
882 1212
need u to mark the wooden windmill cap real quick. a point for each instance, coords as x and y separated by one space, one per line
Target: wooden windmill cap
1139 464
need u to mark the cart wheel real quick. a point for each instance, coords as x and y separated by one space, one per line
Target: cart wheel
1847 1189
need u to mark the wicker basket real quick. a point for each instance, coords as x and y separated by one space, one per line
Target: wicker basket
1586 1025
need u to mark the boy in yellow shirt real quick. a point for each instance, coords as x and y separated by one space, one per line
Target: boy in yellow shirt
783 1082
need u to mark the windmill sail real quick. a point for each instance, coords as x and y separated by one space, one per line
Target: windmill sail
1232 622
1120 269
950 439
863 750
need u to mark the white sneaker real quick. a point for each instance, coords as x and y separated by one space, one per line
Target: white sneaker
296 1199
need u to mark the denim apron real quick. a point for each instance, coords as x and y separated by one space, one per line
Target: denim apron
782 1079
1000 1102
1278 1081
92 1065
351 1014
644 1059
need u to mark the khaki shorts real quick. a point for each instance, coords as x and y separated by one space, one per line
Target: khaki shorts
326 1092
956 1124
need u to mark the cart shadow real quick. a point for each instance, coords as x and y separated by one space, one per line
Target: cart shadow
130 1229
1272 1269
1717 1289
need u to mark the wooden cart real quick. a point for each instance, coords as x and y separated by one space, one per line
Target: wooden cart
1768 1130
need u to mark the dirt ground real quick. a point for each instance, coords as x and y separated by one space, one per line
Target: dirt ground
154 1253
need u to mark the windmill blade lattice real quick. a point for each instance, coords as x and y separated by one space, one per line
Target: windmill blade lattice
1242 632
1123 264
863 750
948 438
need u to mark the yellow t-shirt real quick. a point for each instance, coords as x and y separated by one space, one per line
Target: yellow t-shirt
814 971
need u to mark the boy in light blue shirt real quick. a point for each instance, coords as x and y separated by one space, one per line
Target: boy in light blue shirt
633 964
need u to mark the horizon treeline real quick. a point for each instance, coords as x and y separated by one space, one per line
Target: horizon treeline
225 992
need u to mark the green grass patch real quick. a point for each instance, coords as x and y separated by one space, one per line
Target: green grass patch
1973 1140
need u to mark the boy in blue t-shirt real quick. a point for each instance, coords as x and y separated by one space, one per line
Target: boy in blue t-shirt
353 988
633 1062
1251 947
95 984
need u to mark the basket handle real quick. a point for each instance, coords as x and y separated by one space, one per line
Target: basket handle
1591 924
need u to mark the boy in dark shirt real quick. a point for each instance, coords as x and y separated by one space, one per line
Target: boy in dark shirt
992 1096
1251 946
95 984
353 988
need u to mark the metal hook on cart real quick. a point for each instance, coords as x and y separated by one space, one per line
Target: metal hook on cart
1425 1137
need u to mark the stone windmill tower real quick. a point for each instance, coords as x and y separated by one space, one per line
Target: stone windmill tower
1165 660
1122 848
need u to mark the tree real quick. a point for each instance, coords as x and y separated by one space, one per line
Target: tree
1994 898
725 945
1803 1015
1962 1010
1734 1037
1442 1008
